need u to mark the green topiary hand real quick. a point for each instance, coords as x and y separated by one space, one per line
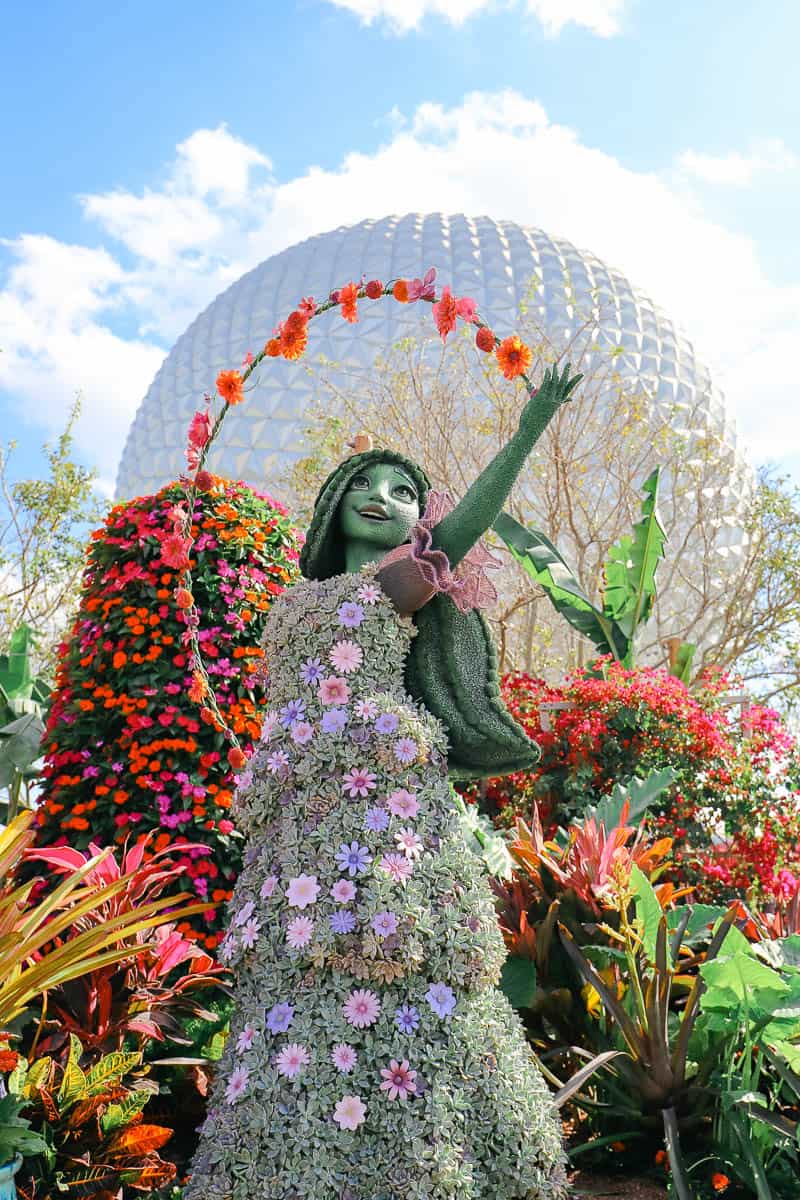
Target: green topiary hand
480 507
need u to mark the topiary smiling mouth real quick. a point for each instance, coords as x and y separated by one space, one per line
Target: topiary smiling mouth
373 512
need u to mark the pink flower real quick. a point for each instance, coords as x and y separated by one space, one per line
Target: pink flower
359 782
291 1060
349 1112
245 913
409 843
423 289
366 709
302 891
344 1058
343 891
299 931
398 1080
302 732
370 593
268 887
245 1039
397 867
346 657
445 313
467 309
307 306
362 1008
237 1085
405 750
403 804
227 948
250 933
199 437
334 690
175 551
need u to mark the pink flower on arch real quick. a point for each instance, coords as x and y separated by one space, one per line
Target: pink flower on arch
445 313
199 437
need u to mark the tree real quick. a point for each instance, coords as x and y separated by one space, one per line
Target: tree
725 584
43 528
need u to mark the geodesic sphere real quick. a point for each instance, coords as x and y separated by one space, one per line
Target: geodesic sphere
491 261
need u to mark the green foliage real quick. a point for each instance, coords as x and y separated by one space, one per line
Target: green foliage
23 697
16 1135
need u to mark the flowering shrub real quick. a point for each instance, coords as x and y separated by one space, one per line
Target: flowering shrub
129 747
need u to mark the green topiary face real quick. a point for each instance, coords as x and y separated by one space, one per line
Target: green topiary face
377 512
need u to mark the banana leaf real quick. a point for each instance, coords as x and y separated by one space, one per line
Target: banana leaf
542 561
630 569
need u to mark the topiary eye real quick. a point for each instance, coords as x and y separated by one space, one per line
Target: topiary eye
359 483
406 493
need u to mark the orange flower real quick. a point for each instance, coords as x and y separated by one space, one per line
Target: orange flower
273 348
661 1158
198 689
347 298
513 356
484 339
445 313
294 336
236 758
719 1182
229 386
184 598
400 291
618 1147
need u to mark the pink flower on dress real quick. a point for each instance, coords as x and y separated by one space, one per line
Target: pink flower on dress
302 891
370 593
268 727
398 1080
409 843
343 891
344 1058
227 948
334 690
245 913
250 931
362 1008
403 804
268 887
237 1085
299 931
301 732
291 1060
366 709
397 867
359 782
346 657
246 1038
349 1112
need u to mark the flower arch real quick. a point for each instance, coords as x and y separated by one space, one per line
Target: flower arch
289 341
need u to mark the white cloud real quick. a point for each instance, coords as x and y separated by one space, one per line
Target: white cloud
601 17
737 169
183 241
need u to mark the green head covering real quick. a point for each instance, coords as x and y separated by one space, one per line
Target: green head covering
452 664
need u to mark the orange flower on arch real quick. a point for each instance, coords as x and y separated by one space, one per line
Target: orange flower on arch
230 386
347 298
513 356
294 336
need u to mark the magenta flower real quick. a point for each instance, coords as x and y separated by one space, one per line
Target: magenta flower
403 804
359 782
291 1060
398 1081
423 289
397 867
344 1058
302 891
334 690
237 1085
384 924
349 1112
350 614
346 657
362 1008
299 931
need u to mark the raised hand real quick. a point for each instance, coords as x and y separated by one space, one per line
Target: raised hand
554 391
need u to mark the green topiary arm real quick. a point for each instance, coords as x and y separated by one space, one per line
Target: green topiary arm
458 532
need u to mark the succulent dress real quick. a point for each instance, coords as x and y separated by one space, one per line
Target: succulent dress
371 1056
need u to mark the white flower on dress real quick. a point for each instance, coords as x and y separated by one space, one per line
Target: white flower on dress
302 891
349 1112
299 931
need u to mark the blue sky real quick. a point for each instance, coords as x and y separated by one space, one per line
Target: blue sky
662 136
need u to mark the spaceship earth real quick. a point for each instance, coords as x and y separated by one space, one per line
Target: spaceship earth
492 261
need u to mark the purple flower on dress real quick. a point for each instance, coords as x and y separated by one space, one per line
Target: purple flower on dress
227 948
367 710
343 921
441 999
386 723
268 887
353 858
376 820
334 720
311 670
280 1017
277 761
302 732
405 750
350 614
384 924
295 710
406 1018
245 913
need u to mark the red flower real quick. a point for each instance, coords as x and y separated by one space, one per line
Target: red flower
184 598
484 339
374 289
273 348
348 296
237 758
175 551
199 437
445 313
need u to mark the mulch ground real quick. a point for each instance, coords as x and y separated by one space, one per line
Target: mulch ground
588 1185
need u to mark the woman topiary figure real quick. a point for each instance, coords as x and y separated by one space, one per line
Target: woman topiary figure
371 1055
